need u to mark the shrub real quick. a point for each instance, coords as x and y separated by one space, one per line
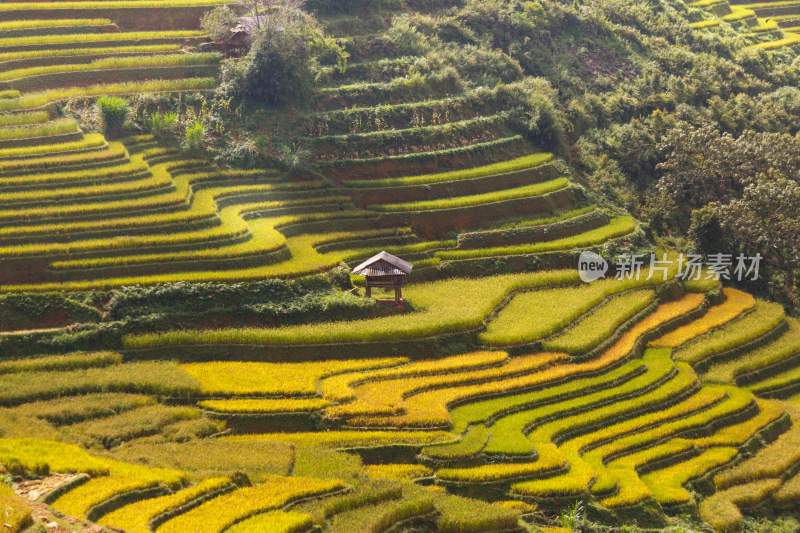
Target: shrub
218 22
280 68
113 113
194 136
162 125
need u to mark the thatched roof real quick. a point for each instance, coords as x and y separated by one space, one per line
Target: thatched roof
384 264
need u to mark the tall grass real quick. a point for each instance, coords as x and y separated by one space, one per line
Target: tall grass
78 52
601 324
764 318
39 99
442 306
22 119
226 510
12 25
512 165
281 379
524 191
115 63
47 129
136 517
618 227
162 378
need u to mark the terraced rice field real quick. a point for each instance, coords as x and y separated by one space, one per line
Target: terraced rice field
492 397
613 407
79 211
770 25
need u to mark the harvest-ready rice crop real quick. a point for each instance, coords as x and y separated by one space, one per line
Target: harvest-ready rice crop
524 191
45 129
164 378
73 409
39 99
667 484
534 315
777 351
71 361
617 227
136 517
280 379
764 318
601 323
113 63
265 406
275 522
511 165
441 306
224 511
736 302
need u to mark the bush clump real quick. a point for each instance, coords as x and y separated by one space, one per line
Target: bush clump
113 112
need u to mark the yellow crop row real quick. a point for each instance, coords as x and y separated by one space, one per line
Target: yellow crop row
220 513
250 378
736 302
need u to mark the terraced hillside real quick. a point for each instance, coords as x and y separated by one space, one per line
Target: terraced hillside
771 25
646 398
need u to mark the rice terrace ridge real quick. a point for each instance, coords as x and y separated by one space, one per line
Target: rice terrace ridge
399 266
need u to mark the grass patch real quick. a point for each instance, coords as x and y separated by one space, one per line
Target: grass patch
32 131
162 378
136 517
39 99
115 63
440 307
736 302
786 346
71 361
513 193
503 167
617 227
284 379
764 318
226 510
601 324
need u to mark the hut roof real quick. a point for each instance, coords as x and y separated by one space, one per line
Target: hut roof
384 264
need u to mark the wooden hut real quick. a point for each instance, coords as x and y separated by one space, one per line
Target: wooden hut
385 271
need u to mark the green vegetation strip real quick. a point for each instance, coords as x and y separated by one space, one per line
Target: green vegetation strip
512 165
39 99
618 227
78 52
12 25
764 318
440 307
601 324
114 63
532 316
32 131
525 191
50 40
